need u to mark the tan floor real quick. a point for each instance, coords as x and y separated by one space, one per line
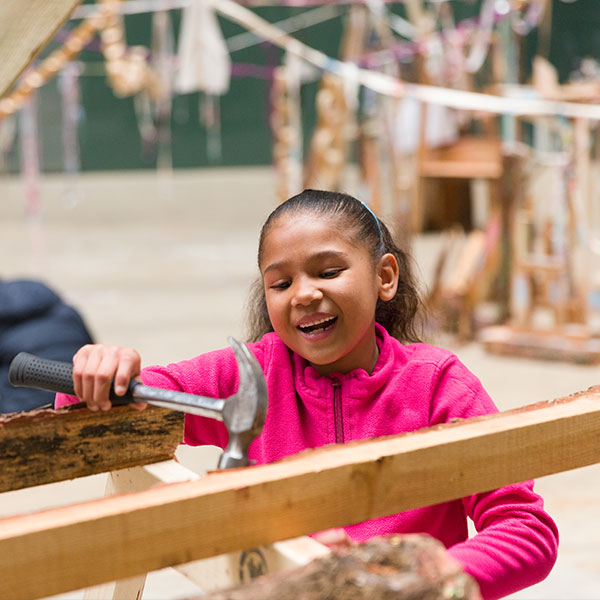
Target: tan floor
162 263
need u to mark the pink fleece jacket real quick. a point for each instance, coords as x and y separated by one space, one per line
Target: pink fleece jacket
411 387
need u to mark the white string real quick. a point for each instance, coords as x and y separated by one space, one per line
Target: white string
390 86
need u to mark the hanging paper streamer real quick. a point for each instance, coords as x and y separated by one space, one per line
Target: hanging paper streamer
162 53
142 106
534 11
71 111
30 159
8 134
204 66
203 60
482 37
210 115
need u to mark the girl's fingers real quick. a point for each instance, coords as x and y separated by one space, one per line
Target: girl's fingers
333 538
78 361
95 367
103 378
88 379
129 365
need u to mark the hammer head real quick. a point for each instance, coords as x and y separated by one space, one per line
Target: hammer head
244 413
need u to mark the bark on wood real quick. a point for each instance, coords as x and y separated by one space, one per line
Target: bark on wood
118 537
401 567
43 446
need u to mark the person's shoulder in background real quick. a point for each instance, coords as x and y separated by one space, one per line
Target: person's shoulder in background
35 319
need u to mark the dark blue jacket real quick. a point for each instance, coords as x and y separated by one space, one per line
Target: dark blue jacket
34 319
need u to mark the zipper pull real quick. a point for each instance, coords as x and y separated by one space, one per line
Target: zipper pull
338 413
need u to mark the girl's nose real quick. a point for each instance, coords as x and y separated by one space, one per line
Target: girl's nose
306 293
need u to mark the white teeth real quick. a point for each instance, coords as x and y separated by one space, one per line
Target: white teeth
326 320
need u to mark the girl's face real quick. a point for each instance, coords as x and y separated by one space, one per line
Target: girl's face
321 289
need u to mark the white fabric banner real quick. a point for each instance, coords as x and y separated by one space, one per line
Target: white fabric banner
203 60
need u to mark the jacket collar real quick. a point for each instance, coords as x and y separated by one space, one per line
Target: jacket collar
357 383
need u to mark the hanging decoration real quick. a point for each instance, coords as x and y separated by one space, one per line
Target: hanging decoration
49 68
204 65
71 111
8 134
482 37
286 127
328 146
127 68
162 53
30 157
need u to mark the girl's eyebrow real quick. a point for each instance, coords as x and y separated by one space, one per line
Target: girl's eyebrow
320 255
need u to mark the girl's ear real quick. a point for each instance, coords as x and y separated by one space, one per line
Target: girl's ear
388 274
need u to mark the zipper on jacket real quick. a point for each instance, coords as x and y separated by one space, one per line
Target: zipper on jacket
337 410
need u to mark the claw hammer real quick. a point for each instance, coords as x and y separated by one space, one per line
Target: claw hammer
243 413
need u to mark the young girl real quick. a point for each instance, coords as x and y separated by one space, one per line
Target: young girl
333 329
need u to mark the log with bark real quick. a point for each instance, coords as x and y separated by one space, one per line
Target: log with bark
397 567
45 445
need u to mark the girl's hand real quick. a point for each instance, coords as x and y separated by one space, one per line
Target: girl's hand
335 539
95 366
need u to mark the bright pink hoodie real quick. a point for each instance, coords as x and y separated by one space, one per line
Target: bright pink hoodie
411 387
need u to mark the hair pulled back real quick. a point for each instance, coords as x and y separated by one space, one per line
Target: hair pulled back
398 315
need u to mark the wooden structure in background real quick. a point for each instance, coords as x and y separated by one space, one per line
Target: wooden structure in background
474 158
287 131
551 274
130 534
329 145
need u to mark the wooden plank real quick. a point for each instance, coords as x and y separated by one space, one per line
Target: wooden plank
468 157
121 536
216 572
25 29
44 446
567 344
135 480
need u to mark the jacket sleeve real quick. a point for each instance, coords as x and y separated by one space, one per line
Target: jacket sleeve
516 542
214 374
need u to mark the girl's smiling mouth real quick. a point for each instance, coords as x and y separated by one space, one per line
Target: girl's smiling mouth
315 326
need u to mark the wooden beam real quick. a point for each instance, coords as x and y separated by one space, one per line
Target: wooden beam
25 29
118 537
44 446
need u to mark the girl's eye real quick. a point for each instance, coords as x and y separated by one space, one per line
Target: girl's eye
280 285
331 273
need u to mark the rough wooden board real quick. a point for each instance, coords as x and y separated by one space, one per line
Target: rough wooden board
25 29
118 537
43 446
401 567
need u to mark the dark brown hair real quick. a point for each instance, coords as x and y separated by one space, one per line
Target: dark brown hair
399 315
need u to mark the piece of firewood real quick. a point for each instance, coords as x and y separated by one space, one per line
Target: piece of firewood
400 567
45 445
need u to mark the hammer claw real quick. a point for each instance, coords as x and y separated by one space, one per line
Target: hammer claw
244 413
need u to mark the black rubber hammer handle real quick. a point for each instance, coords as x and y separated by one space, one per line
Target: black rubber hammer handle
28 370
